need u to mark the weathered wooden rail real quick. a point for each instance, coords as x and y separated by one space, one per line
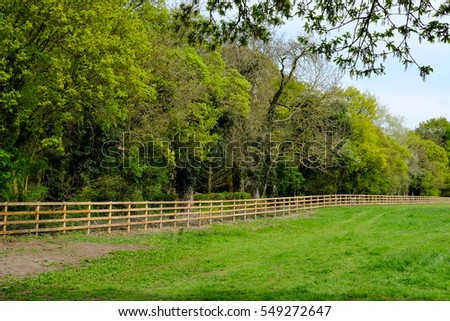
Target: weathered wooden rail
45 217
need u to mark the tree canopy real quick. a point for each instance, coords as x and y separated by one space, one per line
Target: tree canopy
116 100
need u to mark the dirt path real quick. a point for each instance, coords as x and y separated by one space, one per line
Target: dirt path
31 257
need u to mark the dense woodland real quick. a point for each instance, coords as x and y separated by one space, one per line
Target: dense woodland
115 100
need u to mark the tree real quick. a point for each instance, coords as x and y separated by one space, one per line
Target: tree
196 94
428 169
358 35
65 68
292 107
436 130
248 137
372 162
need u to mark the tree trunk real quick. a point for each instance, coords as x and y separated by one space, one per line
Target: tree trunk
25 188
185 187
230 180
15 187
210 174
188 194
255 192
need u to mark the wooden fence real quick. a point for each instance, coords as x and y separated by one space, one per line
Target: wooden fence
44 217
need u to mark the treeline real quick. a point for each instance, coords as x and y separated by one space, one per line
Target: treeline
113 100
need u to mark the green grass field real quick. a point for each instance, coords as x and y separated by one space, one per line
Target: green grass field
355 253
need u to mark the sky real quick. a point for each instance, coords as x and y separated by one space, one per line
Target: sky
404 93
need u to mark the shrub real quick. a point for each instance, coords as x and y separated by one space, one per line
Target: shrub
222 196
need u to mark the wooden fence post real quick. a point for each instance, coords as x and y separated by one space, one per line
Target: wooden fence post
245 210
234 210
210 212
5 218
64 217
129 217
146 216
110 217
160 215
175 214
221 211
189 216
201 215
265 207
36 225
89 218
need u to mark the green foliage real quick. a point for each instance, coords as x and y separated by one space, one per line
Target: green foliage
35 193
196 91
429 169
6 175
222 196
396 180
66 65
291 181
369 161
436 130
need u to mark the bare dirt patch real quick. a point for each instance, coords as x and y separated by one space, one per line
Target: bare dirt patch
31 257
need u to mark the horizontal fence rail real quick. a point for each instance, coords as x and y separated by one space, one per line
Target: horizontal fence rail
44 217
